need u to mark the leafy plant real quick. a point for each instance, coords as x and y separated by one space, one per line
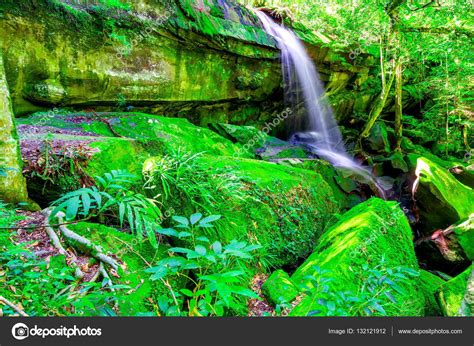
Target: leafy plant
112 194
182 177
48 288
218 271
377 292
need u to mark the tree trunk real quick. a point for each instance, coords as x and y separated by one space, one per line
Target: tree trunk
12 182
378 107
398 106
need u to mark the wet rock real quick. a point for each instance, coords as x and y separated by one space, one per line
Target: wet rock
372 233
378 140
440 198
451 294
430 283
279 289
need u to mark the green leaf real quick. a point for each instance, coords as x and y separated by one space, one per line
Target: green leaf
217 247
182 235
168 232
181 250
203 239
158 272
86 203
181 220
195 218
72 208
208 220
201 250
187 293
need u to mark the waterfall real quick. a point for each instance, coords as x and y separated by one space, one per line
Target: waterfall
317 129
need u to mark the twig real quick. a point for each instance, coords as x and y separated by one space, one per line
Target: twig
13 306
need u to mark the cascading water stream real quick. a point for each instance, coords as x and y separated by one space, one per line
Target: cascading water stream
318 130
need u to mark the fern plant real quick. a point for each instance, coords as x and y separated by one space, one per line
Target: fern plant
112 194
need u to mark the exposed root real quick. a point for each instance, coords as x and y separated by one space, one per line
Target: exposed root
52 234
13 306
85 245
57 244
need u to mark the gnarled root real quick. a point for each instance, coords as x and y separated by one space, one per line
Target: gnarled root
85 245
57 244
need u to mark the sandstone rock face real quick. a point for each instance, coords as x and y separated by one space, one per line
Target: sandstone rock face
208 63
166 60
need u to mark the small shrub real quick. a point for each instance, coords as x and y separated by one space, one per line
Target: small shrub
218 272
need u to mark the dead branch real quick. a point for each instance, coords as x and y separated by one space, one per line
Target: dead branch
13 306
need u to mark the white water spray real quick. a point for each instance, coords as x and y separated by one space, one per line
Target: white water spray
319 130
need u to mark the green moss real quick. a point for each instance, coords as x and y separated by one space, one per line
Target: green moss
136 256
464 233
451 293
369 233
279 289
442 200
114 154
283 208
339 184
429 284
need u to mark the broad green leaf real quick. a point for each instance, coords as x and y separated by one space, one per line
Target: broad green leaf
195 218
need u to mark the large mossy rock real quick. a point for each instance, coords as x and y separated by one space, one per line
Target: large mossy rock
278 289
135 256
430 284
177 57
65 151
452 293
371 234
285 209
441 199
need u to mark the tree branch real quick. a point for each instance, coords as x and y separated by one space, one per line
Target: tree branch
13 306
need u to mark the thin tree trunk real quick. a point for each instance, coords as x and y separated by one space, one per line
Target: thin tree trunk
378 107
398 106
12 182
465 136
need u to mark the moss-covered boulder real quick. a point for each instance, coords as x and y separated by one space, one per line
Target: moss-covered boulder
464 236
441 199
429 284
283 208
371 240
63 151
278 289
451 294
135 256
